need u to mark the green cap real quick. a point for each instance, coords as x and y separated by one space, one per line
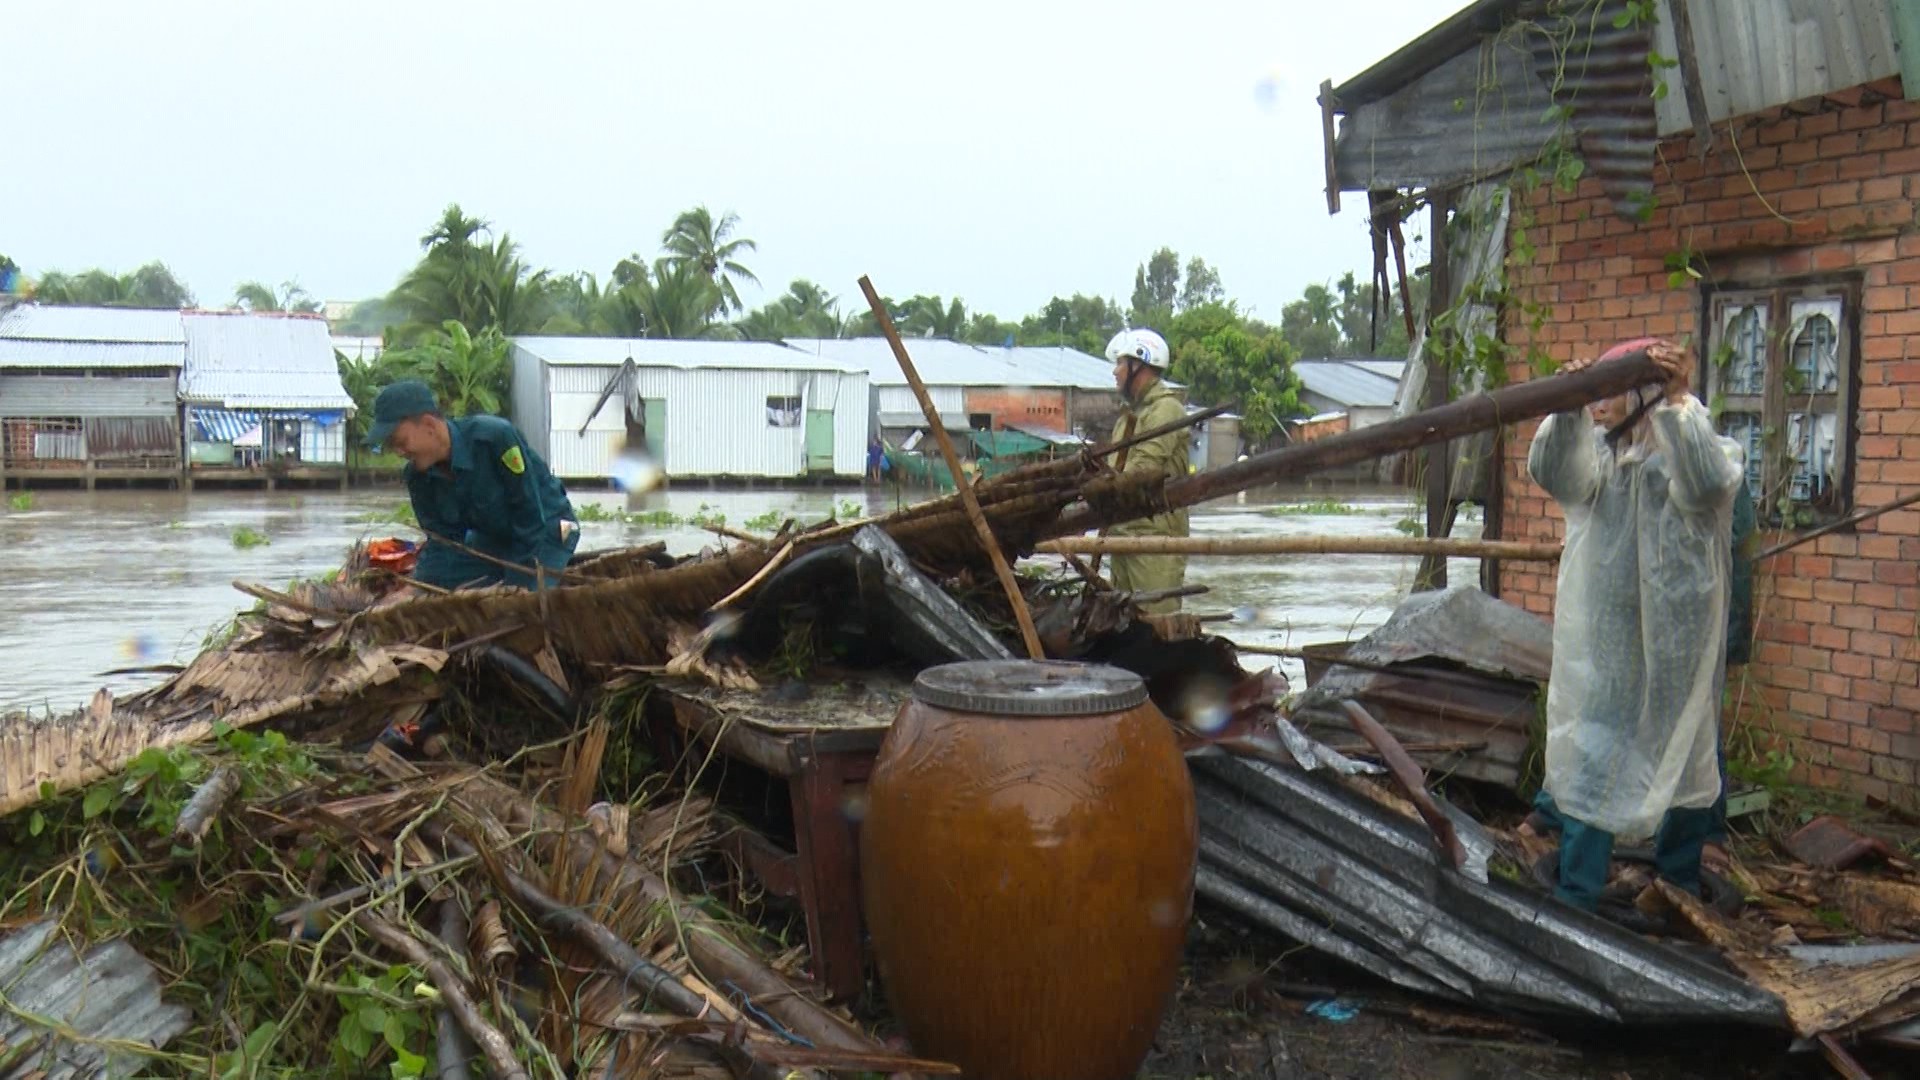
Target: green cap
401 401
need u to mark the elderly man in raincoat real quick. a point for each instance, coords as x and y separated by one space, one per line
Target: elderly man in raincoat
1640 625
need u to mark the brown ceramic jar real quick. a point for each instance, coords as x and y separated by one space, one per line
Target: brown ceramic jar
1027 858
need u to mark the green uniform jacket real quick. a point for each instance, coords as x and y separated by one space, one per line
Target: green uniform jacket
493 494
1166 454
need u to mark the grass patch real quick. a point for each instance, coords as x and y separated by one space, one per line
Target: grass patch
400 514
247 536
1314 508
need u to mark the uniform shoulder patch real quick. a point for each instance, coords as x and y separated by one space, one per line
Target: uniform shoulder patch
514 460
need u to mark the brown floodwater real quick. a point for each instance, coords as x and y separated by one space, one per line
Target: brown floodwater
113 579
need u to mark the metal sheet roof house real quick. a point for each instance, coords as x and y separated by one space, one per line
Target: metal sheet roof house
1363 389
90 391
274 374
703 409
1059 389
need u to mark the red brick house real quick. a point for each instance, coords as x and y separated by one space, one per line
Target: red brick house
1763 205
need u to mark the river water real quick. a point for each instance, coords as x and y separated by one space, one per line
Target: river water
116 579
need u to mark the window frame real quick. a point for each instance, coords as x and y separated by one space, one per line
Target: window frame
797 409
1774 404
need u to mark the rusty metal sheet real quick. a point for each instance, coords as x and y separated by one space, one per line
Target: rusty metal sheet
1306 856
123 437
107 992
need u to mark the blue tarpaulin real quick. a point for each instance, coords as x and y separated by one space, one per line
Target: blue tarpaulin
226 425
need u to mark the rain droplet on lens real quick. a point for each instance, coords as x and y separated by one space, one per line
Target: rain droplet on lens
854 807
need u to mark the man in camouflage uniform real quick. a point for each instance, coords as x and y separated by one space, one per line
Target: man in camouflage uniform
1140 359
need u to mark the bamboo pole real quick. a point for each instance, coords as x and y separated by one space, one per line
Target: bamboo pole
1190 420
1301 545
1481 412
960 483
453 993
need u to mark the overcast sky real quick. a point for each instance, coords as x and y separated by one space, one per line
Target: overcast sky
1000 150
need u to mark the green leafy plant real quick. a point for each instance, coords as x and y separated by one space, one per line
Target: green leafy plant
766 522
594 512
1314 508
246 536
398 514
22 500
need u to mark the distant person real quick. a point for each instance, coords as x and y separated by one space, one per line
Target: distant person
475 481
876 460
1140 359
1639 625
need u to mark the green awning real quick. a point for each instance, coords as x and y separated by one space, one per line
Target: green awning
1006 443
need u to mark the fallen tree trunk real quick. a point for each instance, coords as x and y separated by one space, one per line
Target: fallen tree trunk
1468 416
1515 551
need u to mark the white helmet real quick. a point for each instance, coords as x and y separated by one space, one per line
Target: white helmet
1143 345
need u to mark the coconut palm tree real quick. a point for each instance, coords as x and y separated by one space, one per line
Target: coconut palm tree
253 296
667 300
928 316
150 286
696 240
806 310
477 284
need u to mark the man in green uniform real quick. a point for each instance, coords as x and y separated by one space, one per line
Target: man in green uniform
475 481
1140 359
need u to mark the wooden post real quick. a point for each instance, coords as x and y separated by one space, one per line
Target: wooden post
1326 143
1433 568
1696 93
960 483
1119 465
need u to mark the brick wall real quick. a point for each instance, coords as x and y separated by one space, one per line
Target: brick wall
1834 675
1043 408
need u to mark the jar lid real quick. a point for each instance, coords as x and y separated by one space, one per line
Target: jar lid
1029 688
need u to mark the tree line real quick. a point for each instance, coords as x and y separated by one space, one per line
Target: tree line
449 318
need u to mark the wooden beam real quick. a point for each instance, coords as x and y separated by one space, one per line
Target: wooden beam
1513 404
1301 545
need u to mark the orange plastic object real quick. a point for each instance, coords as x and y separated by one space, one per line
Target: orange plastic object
393 554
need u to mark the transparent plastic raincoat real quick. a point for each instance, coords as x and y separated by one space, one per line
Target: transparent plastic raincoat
1639 628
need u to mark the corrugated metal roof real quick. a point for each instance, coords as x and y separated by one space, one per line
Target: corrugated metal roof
1303 854
108 993
35 353
33 336
41 322
357 348
1346 383
244 361
1469 99
957 363
1392 369
669 353
939 363
1061 366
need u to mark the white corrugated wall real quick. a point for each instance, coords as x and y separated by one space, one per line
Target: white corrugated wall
528 398
716 420
323 445
949 401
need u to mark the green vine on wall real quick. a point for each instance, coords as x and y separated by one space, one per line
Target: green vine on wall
1467 353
